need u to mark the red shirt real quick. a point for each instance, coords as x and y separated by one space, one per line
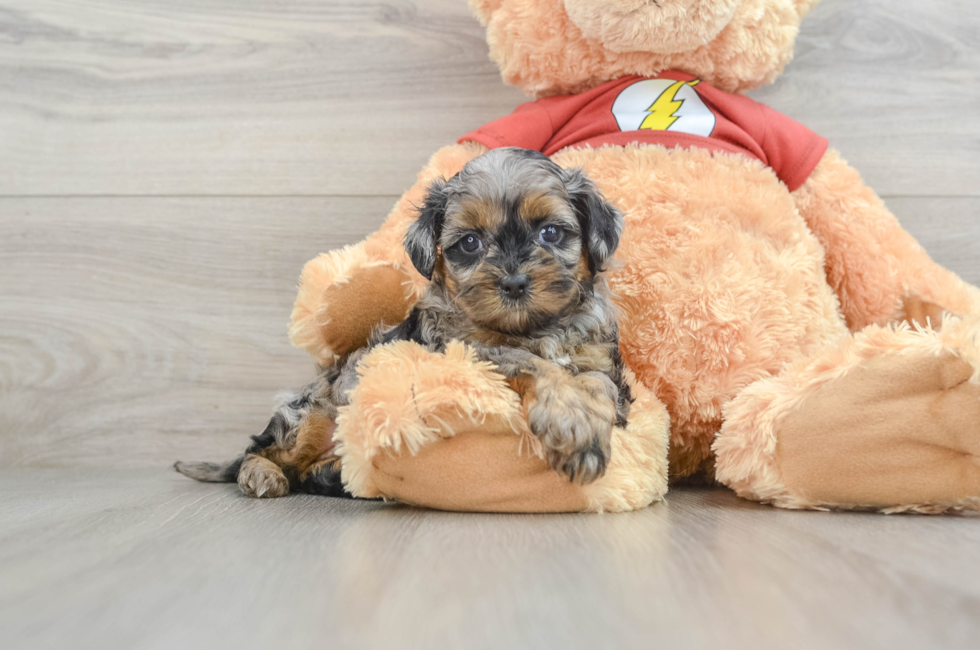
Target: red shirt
674 110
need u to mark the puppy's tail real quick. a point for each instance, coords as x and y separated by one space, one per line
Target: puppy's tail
211 472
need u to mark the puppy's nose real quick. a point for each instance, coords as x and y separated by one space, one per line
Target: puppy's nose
514 286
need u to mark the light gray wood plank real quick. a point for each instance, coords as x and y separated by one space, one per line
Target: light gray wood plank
948 228
236 96
149 559
895 86
133 331
261 97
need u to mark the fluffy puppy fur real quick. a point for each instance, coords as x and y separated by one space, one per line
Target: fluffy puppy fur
514 247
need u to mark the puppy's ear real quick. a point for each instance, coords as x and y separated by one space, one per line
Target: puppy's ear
422 238
600 221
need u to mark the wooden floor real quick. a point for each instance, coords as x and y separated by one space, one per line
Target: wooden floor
166 167
143 559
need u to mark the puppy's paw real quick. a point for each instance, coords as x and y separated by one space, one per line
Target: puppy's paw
573 417
582 465
260 477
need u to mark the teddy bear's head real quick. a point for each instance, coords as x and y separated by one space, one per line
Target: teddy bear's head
553 47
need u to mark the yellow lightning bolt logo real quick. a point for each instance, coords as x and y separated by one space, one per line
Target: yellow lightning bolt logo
662 112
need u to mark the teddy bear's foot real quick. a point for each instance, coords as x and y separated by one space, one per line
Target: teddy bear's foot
888 421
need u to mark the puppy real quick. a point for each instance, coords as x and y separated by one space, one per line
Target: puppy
514 247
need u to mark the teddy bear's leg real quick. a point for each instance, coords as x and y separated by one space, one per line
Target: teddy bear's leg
345 294
878 270
445 430
887 420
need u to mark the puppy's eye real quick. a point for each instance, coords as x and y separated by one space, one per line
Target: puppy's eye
470 244
550 235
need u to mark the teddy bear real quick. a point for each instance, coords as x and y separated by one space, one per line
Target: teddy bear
784 336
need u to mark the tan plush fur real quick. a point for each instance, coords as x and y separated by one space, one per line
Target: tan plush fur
665 27
408 399
872 264
759 324
721 283
542 51
912 464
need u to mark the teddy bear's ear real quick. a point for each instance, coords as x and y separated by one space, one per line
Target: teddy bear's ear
422 238
484 8
600 221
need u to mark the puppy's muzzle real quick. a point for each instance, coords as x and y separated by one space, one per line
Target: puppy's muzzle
514 286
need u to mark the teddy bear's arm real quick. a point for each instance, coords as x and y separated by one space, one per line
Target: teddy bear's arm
344 294
878 270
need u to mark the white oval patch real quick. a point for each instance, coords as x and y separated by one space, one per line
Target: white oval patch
663 105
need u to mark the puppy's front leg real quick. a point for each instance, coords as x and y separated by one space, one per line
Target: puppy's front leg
571 414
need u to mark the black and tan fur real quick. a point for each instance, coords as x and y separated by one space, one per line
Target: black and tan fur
514 247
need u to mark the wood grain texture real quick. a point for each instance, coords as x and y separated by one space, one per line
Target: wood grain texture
895 86
948 228
185 159
139 330
337 97
236 96
153 560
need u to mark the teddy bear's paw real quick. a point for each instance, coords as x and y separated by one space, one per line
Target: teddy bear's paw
343 296
261 478
573 417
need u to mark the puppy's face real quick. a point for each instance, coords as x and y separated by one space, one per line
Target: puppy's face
514 239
